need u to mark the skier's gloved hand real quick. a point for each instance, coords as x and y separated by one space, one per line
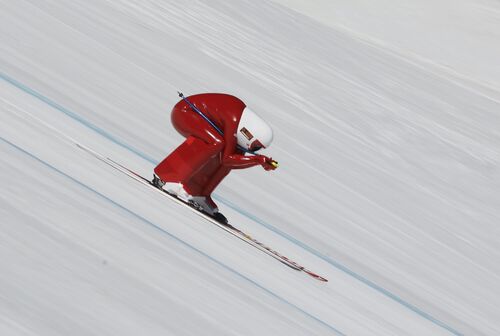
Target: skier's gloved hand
271 164
267 163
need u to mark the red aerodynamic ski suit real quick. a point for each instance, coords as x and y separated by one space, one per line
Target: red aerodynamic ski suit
202 161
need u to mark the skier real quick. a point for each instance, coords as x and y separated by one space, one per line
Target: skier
219 130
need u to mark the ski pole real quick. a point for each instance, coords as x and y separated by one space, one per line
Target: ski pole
194 108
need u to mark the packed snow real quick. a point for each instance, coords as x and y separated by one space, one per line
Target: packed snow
388 185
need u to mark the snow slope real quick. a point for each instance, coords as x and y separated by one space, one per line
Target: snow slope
459 37
388 182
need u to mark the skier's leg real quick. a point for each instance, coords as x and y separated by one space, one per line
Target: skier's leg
215 180
169 170
202 144
203 197
186 160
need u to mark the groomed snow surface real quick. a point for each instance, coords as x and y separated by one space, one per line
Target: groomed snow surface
389 181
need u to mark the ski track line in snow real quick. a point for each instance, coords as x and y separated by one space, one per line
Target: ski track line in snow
170 235
257 220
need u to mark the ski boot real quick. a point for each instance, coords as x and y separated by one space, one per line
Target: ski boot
157 182
172 188
203 204
206 205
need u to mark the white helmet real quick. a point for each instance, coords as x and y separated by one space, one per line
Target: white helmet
253 133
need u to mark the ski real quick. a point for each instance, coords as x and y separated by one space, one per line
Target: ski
226 227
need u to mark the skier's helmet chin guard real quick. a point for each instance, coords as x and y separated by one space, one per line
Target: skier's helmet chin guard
253 133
